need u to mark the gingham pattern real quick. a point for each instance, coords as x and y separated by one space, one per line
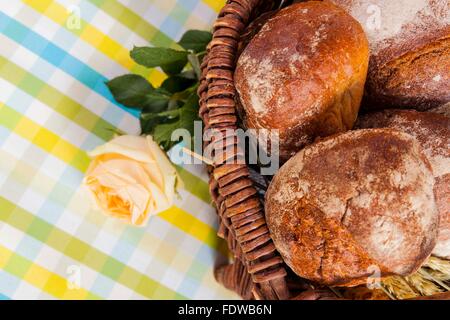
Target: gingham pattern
54 107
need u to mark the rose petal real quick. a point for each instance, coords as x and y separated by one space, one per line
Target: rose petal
132 147
110 163
131 178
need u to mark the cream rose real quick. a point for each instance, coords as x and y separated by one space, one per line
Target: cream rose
131 178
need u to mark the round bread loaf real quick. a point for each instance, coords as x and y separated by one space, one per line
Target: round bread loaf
410 51
352 205
303 73
433 133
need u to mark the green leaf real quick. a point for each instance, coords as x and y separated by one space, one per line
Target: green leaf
136 92
162 125
156 101
195 40
130 89
170 60
192 103
184 95
149 121
174 68
177 83
174 104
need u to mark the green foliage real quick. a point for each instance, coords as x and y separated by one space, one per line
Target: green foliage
195 40
170 60
175 103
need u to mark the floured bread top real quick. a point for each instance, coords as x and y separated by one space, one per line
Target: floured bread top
306 65
278 65
431 130
394 22
374 187
433 133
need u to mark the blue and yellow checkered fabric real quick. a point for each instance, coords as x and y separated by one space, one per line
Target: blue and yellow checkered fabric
55 56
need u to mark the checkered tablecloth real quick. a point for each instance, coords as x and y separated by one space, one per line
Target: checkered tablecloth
55 56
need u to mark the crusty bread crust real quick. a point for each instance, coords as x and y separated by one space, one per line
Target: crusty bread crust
443 109
433 133
306 81
352 203
442 192
410 49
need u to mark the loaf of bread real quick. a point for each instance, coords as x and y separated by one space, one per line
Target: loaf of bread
410 51
433 133
354 205
303 74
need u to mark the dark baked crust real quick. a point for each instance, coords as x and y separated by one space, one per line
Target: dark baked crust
410 50
352 203
430 129
307 81
443 109
418 79
433 132
252 30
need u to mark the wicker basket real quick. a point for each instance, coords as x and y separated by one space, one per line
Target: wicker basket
256 270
